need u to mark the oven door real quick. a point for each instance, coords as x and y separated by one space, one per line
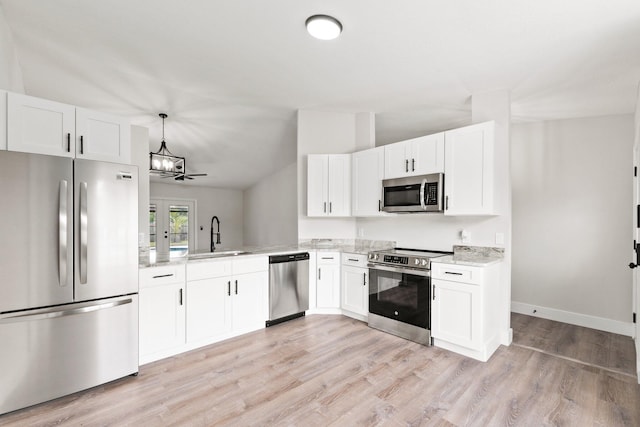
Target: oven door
401 294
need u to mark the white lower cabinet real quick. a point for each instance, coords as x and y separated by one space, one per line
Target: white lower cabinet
185 306
462 318
355 286
226 297
162 311
328 280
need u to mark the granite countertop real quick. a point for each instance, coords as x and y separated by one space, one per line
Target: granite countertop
476 256
323 245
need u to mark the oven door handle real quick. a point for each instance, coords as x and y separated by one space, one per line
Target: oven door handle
423 189
404 270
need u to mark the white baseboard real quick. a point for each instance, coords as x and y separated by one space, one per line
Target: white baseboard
593 322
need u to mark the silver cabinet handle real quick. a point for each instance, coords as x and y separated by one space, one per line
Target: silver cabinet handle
163 275
451 272
83 232
352 259
68 142
181 302
413 165
55 312
81 144
434 292
229 288
236 287
329 207
379 205
446 203
364 279
319 274
63 219
325 207
406 165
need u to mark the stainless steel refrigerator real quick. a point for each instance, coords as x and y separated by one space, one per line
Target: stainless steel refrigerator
68 276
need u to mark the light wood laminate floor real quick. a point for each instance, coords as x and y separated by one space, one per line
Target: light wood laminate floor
333 370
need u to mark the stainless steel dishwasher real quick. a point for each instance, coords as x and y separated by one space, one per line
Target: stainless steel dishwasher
288 287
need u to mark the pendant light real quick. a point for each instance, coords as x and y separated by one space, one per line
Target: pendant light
163 162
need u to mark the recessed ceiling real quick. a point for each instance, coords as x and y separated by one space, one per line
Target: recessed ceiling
231 74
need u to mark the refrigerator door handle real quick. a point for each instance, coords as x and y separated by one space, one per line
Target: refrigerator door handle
63 218
83 232
56 312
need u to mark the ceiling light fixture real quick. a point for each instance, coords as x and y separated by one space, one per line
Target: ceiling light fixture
163 162
323 27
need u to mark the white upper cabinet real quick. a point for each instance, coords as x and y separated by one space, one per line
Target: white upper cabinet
41 126
469 170
102 136
418 156
367 171
3 120
329 185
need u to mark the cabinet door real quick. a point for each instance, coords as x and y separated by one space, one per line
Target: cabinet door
40 126
162 318
396 162
355 289
328 286
339 185
427 154
456 313
367 170
249 296
102 137
317 184
208 308
469 170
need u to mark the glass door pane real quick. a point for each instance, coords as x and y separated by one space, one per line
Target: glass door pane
178 230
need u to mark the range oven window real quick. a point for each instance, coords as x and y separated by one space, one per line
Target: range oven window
404 297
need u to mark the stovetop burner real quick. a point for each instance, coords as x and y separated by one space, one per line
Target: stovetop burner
414 258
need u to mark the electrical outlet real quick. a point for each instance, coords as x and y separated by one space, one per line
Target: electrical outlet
499 238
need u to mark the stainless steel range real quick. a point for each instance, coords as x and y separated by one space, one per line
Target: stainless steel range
400 292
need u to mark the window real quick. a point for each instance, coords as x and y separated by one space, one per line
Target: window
171 228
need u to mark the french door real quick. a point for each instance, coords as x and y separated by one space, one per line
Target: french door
171 228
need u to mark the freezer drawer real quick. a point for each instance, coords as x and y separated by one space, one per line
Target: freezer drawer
49 353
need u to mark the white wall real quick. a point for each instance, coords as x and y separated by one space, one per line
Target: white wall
10 72
572 218
225 203
322 132
271 210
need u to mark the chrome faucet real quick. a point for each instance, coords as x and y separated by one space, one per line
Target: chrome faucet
213 244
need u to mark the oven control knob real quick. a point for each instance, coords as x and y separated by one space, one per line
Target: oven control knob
424 262
370 256
416 261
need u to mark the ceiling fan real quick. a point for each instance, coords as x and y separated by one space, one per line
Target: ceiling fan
184 176
168 165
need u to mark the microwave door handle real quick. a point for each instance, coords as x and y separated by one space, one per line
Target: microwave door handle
423 188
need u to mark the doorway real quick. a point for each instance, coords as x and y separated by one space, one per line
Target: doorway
171 228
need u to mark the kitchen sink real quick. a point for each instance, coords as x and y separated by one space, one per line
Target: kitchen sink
216 254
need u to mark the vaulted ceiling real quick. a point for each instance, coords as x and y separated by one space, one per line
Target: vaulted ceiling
232 74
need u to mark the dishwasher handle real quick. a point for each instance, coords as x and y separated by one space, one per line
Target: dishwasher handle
300 256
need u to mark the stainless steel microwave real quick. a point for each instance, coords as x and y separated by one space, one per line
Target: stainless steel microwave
423 193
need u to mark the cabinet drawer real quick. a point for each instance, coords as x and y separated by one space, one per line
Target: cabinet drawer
328 258
250 264
457 273
161 275
355 260
208 269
